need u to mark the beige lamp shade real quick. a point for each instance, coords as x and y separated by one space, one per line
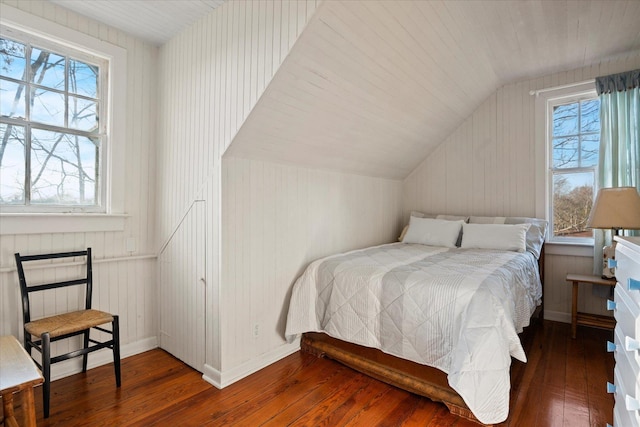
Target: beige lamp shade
616 208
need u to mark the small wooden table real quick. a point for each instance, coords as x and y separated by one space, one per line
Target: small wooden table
18 372
587 319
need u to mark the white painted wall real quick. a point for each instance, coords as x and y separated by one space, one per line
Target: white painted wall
276 220
211 76
267 220
488 167
125 282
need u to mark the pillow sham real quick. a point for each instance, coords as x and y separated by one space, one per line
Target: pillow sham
453 217
487 219
440 216
535 235
506 237
418 214
433 232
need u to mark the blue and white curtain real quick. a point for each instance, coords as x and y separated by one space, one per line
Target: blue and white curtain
619 163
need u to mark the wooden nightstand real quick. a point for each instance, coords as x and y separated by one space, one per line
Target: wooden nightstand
587 319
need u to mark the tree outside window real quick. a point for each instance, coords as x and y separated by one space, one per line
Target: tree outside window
50 126
575 142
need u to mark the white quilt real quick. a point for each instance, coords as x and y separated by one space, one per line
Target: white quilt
458 310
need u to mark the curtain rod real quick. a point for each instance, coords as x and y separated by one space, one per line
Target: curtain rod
539 91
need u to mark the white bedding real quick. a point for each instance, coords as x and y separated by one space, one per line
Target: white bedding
458 310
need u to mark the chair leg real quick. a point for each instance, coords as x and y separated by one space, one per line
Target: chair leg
85 356
116 348
46 372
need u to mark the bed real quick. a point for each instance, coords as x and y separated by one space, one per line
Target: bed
437 314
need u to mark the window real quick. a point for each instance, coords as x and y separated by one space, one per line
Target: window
51 124
574 141
107 214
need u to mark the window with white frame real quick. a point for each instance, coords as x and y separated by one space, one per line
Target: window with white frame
52 125
573 135
101 207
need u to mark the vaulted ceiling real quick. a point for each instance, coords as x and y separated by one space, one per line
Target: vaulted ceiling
372 87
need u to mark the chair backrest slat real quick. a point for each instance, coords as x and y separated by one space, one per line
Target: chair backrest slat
52 256
25 289
45 286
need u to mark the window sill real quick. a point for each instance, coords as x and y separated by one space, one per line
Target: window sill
569 249
44 223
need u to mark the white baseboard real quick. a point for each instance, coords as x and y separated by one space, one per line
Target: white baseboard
557 316
101 357
222 379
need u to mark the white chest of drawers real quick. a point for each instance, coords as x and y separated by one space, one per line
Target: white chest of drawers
626 411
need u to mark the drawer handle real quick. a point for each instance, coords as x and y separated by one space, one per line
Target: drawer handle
612 263
630 344
611 388
631 403
611 305
634 285
611 347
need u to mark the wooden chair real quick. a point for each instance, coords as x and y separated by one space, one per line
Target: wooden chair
38 334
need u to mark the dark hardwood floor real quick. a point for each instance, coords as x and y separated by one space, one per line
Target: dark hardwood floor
563 384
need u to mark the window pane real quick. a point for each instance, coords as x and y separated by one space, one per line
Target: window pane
12 165
63 168
565 120
83 114
48 69
590 147
590 116
572 200
48 107
565 152
50 114
83 79
12 59
11 99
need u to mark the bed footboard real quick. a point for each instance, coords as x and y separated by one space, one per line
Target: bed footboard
413 377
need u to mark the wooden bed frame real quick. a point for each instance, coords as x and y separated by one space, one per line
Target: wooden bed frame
407 375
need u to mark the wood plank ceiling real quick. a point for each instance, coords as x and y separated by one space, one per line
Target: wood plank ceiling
155 21
372 87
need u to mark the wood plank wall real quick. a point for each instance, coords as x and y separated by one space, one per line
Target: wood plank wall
124 281
211 76
487 167
276 220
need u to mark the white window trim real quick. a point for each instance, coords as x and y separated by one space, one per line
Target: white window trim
113 157
580 247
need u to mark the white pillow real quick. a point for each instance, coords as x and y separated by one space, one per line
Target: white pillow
495 236
535 235
487 219
433 232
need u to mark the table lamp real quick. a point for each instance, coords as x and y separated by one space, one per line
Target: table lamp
616 209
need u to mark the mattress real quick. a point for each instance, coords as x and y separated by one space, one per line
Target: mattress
458 310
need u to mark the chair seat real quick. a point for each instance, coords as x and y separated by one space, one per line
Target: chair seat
68 323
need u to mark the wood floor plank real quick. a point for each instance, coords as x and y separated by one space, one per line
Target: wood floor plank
322 401
550 404
576 398
226 409
556 352
561 385
341 413
272 402
422 414
374 412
